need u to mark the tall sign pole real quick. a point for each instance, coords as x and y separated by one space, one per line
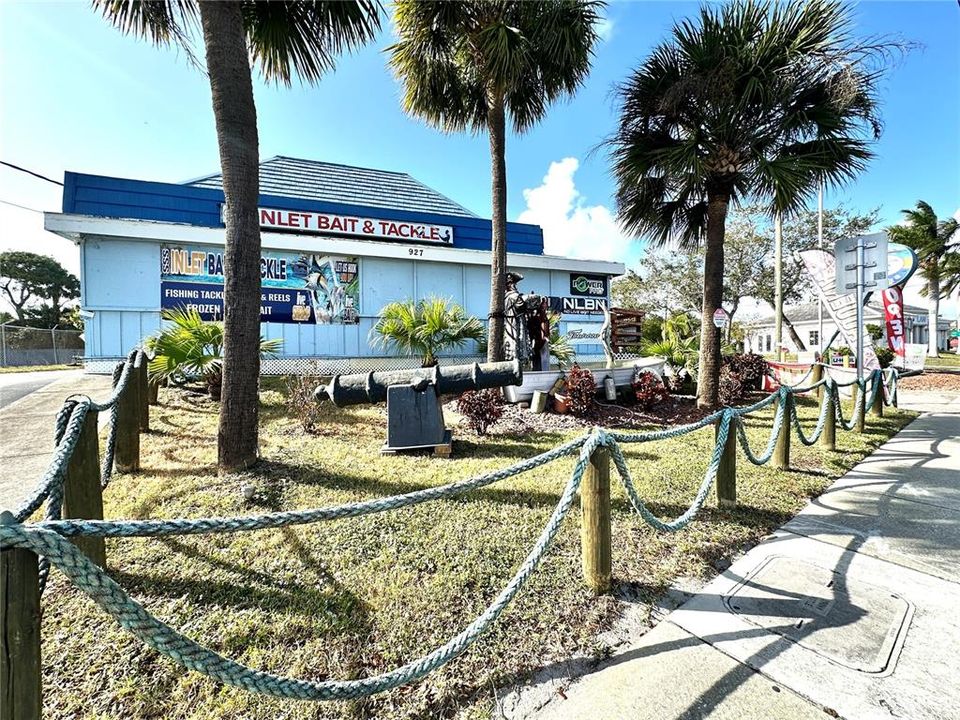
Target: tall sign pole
860 282
778 284
820 345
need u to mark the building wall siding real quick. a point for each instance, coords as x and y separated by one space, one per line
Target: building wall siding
122 289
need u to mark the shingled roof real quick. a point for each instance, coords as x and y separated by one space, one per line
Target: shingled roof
806 312
329 182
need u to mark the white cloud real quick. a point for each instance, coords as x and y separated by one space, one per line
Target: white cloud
571 228
604 28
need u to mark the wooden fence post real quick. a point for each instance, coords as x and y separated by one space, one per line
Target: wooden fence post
781 453
595 533
153 393
817 377
20 689
127 456
727 470
828 438
859 401
82 494
877 407
143 394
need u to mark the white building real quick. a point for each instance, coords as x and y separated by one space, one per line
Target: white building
760 335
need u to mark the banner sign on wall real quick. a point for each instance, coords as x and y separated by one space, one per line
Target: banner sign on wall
363 227
294 287
583 284
893 316
576 305
842 308
583 333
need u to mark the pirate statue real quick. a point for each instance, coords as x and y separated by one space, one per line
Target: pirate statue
527 325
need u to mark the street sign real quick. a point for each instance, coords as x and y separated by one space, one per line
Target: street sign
720 318
874 263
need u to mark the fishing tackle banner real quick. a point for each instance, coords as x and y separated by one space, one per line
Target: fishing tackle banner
301 288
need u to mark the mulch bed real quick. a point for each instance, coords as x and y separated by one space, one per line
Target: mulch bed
932 381
518 420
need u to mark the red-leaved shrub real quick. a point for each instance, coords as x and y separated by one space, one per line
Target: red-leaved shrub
581 389
481 408
649 390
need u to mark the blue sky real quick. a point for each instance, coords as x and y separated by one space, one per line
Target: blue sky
77 95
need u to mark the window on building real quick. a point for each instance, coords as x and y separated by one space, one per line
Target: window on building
815 338
769 338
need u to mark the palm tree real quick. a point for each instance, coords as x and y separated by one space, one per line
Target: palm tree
190 347
937 246
425 328
753 100
283 38
467 65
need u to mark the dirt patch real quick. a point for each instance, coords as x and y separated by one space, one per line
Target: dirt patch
932 381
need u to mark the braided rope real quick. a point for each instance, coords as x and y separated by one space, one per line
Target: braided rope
825 403
184 526
778 420
48 538
167 641
681 521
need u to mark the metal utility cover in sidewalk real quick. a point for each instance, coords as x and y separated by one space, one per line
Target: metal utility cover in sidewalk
920 681
850 622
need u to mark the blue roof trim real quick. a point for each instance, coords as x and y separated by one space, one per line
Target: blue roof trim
102 196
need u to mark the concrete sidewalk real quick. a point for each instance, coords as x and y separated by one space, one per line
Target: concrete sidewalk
26 432
849 610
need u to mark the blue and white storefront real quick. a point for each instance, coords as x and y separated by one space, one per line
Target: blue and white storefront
328 266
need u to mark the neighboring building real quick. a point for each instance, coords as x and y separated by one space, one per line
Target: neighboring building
339 243
760 335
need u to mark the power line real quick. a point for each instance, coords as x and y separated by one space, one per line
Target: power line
30 172
22 207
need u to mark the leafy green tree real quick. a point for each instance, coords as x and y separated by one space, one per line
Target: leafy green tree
189 347
664 282
425 328
37 286
749 249
283 39
468 65
936 243
750 100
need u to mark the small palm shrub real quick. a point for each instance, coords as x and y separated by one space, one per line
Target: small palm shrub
581 390
190 347
561 349
425 328
481 408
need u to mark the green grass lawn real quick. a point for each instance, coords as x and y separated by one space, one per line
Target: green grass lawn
34 368
950 360
354 598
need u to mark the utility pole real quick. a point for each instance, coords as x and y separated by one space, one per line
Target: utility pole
778 285
820 245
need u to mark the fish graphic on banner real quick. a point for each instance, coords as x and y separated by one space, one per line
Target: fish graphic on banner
842 308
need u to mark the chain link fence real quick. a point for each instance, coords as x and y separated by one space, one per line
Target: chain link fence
22 346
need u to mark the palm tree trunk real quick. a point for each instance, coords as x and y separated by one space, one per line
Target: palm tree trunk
709 380
933 313
231 88
498 220
794 335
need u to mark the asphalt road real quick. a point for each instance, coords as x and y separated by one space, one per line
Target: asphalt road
14 386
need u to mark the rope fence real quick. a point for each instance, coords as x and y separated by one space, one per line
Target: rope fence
73 540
